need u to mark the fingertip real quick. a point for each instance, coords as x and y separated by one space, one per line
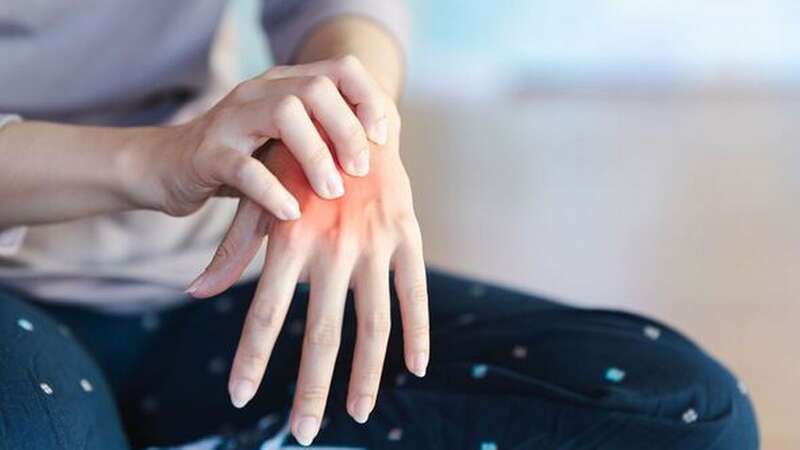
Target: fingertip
361 409
241 391
379 132
290 210
358 166
418 364
334 187
195 285
305 430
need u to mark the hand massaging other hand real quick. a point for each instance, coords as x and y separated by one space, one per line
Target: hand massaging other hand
352 241
288 103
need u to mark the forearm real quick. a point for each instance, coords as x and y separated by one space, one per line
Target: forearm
52 172
374 46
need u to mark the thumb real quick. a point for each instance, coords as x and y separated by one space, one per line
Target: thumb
239 246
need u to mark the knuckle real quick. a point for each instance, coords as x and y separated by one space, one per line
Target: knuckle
274 72
295 235
293 238
395 121
222 115
318 86
348 64
224 251
417 294
418 332
355 137
270 186
318 156
324 333
243 91
338 244
376 326
314 395
408 225
369 378
393 116
288 107
267 317
252 358
240 168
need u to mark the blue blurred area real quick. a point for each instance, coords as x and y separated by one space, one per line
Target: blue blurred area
606 41
482 46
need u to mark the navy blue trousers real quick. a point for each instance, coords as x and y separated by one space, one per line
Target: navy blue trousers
508 371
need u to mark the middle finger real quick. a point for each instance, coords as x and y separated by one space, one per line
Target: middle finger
329 285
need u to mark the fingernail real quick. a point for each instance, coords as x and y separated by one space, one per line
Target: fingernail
335 186
195 285
420 364
380 132
362 408
306 430
241 393
290 210
361 163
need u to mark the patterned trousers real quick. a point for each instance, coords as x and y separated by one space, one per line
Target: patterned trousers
508 370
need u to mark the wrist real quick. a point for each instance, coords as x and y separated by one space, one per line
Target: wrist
142 164
362 38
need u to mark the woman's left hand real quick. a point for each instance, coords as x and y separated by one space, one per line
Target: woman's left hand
350 241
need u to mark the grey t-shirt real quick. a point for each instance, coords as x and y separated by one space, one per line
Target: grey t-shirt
121 63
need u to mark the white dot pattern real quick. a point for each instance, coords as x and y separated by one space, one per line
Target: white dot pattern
149 404
477 290
86 385
223 305
615 374
479 371
466 319
519 352
25 324
652 332
741 386
395 434
150 322
266 421
217 366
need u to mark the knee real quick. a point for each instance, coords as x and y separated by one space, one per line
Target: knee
53 395
725 402
704 402
643 378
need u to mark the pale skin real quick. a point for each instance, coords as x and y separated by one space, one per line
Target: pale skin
328 188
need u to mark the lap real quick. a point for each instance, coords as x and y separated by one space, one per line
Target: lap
508 370
52 395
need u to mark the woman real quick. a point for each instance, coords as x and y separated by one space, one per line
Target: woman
104 225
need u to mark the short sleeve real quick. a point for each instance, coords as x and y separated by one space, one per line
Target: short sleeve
10 238
287 22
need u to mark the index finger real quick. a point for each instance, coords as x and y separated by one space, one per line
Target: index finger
264 320
356 84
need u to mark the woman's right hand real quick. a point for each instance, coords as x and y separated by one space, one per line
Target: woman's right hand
289 103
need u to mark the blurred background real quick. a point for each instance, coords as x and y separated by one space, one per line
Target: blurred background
632 154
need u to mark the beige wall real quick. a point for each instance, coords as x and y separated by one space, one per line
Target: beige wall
685 207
